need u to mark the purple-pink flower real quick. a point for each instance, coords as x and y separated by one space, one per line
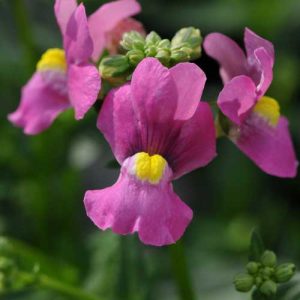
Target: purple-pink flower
257 127
64 78
158 131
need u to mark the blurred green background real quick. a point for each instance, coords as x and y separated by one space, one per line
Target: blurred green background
43 178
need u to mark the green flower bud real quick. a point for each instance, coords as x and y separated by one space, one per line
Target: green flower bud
252 267
138 45
165 43
267 272
152 39
114 67
179 56
151 51
258 281
268 259
135 56
132 39
243 282
163 55
285 272
268 288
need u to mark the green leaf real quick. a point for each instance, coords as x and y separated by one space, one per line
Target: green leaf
256 246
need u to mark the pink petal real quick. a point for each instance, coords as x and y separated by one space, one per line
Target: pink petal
152 210
190 81
118 123
195 145
83 87
77 40
227 53
63 10
237 98
39 106
106 18
154 93
270 148
254 41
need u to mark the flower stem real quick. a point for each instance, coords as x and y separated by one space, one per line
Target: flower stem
180 270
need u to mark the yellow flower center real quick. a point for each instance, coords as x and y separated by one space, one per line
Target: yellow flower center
269 109
52 59
149 167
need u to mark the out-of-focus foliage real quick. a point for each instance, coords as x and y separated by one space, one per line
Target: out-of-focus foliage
43 178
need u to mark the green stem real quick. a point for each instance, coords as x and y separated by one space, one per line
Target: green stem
181 273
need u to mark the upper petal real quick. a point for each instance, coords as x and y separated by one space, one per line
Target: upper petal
39 106
106 18
130 205
227 53
237 98
77 40
190 81
270 148
63 10
195 145
119 124
84 84
254 41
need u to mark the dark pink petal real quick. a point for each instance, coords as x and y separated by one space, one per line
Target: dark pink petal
254 41
195 146
154 93
39 106
63 10
130 205
106 18
237 98
227 53
118 123
270 148
83 87
190 81
77 40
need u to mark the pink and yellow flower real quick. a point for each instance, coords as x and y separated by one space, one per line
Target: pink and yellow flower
158 131
257 127
64 78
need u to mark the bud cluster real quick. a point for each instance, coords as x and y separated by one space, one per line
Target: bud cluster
265 275
184 46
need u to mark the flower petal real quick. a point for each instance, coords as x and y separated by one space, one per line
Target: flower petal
130 205
227 53
118 123
254 41
195 145
77 40
63 10
106 18
270 148
84 84
39 106
190 81
237 98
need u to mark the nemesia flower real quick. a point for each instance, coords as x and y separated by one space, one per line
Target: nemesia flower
257 127
158 131
109 22
64 78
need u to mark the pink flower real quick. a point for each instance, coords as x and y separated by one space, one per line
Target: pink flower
109 22
158 131
257 127
64 78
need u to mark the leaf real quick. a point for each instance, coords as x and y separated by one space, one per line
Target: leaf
256 246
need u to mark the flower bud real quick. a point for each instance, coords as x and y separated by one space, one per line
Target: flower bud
132 39
114 67
164 56
258 281
165 43
151 51
179 56
285 272
252 267
268 259
243 282
152 39
268 288
135 56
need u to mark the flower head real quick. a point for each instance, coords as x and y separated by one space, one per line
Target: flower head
257 127
158 131
64 77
